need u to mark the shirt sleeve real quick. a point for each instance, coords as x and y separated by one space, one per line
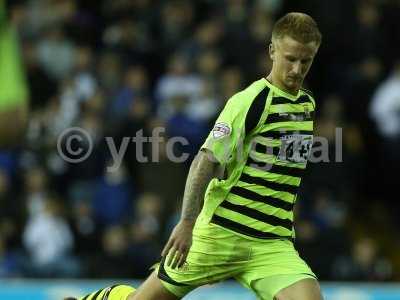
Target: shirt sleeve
228 131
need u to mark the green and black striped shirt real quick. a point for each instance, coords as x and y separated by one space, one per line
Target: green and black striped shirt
263 137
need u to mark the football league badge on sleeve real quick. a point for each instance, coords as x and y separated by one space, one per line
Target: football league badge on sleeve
221 130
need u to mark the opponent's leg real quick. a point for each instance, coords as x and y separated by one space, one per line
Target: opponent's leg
305 289
152 289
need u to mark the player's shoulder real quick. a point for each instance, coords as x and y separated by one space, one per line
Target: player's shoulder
254 90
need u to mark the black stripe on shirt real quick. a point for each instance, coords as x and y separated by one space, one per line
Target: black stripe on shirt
281 187
257 215
273 168
243 229
283 100
263 149
278 134
290 117
255 111
272 201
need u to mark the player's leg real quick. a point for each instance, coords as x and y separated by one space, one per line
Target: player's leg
305 289
152 289
276 271
298 287
213 256
115 292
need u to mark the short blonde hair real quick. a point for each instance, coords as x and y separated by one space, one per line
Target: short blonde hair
298 26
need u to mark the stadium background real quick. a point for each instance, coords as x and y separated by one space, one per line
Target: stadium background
114 67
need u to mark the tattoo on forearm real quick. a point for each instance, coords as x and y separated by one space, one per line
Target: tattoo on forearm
200 174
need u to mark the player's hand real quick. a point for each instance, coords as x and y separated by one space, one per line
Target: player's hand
179 243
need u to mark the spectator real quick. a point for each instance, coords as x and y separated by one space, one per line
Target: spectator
111 201
49 241
364 264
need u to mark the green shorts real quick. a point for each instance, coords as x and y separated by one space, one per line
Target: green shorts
218 254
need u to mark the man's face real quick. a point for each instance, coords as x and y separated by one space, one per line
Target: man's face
291 61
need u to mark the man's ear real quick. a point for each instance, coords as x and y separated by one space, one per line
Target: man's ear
271 50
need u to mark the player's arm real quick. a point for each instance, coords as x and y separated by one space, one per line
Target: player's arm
203 168
215 154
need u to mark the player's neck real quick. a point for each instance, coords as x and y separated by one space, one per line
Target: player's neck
271 78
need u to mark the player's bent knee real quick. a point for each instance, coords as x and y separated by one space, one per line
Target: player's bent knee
152 289
305 289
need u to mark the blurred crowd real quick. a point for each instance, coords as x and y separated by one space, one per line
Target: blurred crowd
118 67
